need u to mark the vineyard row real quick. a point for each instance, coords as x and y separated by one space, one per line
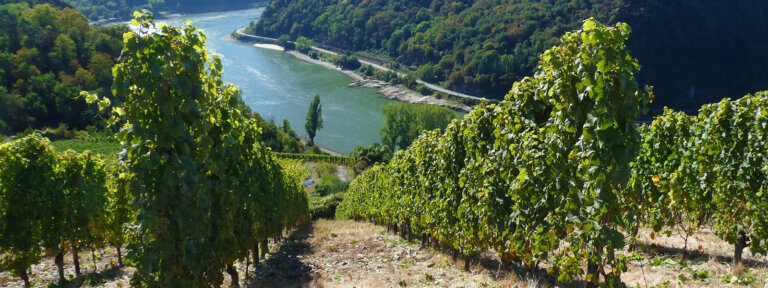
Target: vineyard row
560 176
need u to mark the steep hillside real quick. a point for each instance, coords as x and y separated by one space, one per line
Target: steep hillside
54 3
692 51
47 56
123 9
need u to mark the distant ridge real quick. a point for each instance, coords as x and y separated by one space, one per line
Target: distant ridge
692 51
54 3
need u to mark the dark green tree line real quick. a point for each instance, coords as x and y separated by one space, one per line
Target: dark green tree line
483 47
47 56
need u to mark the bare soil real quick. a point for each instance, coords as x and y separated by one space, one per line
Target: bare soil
106 272
332 253
658 262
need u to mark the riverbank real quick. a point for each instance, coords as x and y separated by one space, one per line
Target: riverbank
269 46
386 90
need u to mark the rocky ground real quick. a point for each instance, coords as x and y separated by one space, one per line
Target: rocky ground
326 253
331 253
356 254
658 262
105 273
400 93
386 90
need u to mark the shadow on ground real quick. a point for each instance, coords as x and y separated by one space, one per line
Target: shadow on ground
91 278
284 268
694 255
532 276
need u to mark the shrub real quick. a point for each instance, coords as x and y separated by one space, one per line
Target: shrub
325 207
325 169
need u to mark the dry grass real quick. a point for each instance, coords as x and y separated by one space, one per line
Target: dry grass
332 253
104 274
357 254
659 263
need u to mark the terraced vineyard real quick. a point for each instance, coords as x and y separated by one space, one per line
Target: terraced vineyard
96 147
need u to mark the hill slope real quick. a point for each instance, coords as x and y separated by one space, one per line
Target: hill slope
47 56
481 47
112 10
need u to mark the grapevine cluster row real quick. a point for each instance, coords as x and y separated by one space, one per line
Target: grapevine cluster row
536 177
317 158
54 201
709 170
560 176
199 188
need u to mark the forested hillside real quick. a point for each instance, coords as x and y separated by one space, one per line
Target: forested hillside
122 9
482 47
47 56
54 3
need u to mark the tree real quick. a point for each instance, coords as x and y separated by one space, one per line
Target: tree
346 61
368 156
85 79
285 41
396 129
314 119
64 51
42 70
404 122
12 112
287 128
101 67
303 44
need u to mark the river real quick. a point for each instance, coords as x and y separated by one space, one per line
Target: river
277 85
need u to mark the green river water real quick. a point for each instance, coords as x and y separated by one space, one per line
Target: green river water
277 85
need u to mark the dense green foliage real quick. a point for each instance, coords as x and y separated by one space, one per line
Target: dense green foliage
662 193
280 139
294 168
404 122
47 56
52 200
119 210
536 178
82 209
328 192
77 145
346 61
325 206
28 177
708 169
304 45
330 184
316 157
111 10
114 10
206 189
314 119
370 155
484 46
